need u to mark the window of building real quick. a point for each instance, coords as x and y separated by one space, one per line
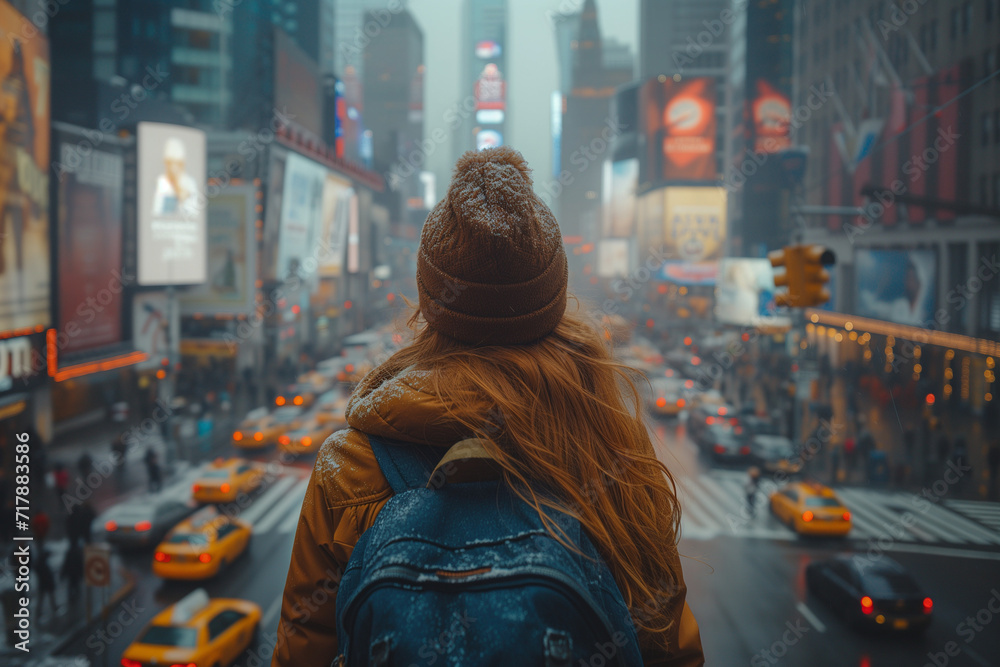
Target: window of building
966 18
956 16
986 131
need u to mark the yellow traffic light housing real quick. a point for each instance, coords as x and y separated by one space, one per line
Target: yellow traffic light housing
804 275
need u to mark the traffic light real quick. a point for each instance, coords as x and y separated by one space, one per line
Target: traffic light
804 275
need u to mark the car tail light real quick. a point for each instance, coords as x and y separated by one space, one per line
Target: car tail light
190 664
162 557
284 440
733 421
846 516
237 436
867 606
111 526
709 420
928 605
195 488
661 402
688 384
695 360
143 526
349 368
306 441
722 411
205 558
681 402
298 400
224 488
807 516
258 436
744 450
719 449
130 663
279 401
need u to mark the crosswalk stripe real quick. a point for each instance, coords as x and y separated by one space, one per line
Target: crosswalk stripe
958 521
720 495
289 524
862 528
291 504
267 499
945 525
855 497
691 509
709 501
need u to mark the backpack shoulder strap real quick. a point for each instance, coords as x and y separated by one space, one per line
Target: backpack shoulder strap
406 465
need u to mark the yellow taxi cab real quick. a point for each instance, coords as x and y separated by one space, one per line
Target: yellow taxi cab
200 546
809 508
226 479
306 439
261 429
198 630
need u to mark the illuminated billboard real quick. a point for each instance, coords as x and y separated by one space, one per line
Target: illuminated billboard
620 219
771 116
89 247
613 258
172 203
896 285
689 223
24 175
491 89
339 201
232 255
488 139
678 119
744 295
300 213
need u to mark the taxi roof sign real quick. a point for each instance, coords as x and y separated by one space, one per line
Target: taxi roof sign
188 606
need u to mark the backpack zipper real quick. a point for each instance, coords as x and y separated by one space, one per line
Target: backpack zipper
410 575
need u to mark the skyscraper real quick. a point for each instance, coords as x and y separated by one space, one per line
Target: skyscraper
481 119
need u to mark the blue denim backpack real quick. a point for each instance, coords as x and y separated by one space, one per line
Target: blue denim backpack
457 570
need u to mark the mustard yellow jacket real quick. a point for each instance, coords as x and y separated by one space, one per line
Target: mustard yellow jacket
344 496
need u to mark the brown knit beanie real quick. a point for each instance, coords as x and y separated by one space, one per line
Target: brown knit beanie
491 269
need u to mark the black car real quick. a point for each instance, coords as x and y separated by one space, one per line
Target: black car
871 593
722 442
774 453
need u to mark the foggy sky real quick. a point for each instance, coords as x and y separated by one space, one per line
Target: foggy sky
531 62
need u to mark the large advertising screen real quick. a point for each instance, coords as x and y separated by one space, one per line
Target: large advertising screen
24 180
744 295
300 214
232 255
620 219
156 328
689 223
339 200
896 285
171 216
613 257
90 247
771 113
274 199
491 89
678 119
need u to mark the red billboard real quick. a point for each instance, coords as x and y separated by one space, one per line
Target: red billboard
679 122
89 248
771 118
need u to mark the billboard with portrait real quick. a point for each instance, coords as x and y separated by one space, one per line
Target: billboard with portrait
689 222
744 295
301 208
24 174
156 328
896 285
339 199
171 216
232 255
678 120
619 221
90 246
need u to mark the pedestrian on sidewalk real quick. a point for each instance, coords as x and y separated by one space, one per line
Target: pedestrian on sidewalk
71 572
960 458
40 524
78 522
153 469
751 489
46 582
60 476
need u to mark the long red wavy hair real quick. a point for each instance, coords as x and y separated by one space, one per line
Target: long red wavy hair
563 411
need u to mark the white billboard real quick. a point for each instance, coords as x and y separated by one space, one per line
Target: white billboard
172 205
